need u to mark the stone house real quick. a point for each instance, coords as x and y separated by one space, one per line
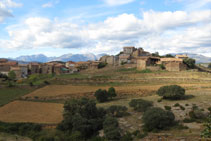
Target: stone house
24 70
34 68
128 50
148 62
83 65
17 71
110 60
173 64
47 68
6 66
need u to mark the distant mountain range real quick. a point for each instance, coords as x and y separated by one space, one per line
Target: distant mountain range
66 57
85 57
199 58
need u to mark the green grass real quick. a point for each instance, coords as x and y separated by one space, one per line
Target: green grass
9 94
76 75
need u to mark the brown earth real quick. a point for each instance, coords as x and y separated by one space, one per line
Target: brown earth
36 112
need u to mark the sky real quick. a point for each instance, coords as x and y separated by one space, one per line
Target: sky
57 27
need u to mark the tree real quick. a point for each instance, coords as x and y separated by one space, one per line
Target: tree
101 95
117 111
173 92
189 62
209 66
157 119
111 129
111 92
12 75
140 105
169 56
83 116
156 54
101 65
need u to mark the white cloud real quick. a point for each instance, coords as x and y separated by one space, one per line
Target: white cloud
165 32
117 2
46 5
5 6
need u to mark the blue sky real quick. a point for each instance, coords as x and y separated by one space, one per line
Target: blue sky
56 27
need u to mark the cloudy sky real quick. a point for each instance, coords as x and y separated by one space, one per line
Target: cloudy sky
56 27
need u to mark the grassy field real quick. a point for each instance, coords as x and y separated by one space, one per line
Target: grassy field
36 112
9 94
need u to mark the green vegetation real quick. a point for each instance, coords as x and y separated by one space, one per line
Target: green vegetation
23 129
209 66
189 62
12 75
155 119
168 108
9 94
140 105
173 92
103 95
111 129
101 65
206 133
38 79
117 111
82 115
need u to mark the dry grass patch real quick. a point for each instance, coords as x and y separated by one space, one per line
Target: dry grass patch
36 112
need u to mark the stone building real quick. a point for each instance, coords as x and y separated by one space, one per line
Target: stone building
47 68
148 62
17 71
110 60
34 68
24 70
6 66
128 50
173 64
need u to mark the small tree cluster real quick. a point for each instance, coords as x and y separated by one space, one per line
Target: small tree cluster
103 95
111 129
189 62
157 119
101 65
83 116
209 66
173 92
117 111
140 105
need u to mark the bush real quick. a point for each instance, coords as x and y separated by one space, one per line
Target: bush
206 133
140 105
190 63
157 119
168 108
188 120
209 66
111 92
82 115
173 92
101 65
176 105
117 111
101 95
111 129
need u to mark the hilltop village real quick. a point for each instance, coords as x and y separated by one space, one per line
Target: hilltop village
129 57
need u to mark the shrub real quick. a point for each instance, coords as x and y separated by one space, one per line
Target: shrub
157 119
173 92
117 111
182 108
176 105
101 65
82 115
209 109
140 105
12 75
127 137
168 108
190 62
209 66
188 120
206 133
197 114
186 104
111 92
101 95
111 129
